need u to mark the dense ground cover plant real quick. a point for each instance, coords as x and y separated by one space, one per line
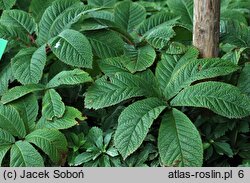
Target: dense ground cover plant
118 83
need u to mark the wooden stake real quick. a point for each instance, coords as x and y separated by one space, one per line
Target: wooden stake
206 29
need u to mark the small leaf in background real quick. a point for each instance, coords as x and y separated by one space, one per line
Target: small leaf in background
6 4
223 148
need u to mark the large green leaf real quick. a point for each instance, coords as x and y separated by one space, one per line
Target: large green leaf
157 20
57 9
106 43
159 37
73 77
73 48
53 105
129 15
195 70
183 8
224 99
28 65
244 79
114 88
18 19
139 59
23 154
20 91
28 109
51 141
134 123
71 117
6 4
179 141
6 138
11 121
113 65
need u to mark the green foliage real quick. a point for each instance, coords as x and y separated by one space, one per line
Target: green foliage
117 83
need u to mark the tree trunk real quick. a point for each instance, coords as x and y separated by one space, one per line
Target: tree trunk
206 29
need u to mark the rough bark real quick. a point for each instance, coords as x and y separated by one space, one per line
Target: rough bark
206 29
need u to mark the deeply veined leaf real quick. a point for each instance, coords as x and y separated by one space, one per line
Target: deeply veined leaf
6 138
23 154
160 36
11 121
73 48
223 99
71 117
139 59
20 91
3 151
28 65
113 65
37 7
244 80
10 33
101 3
6 4
165 68
5 77
183 8
28 109
57 8
65 20
53 105
112 89
51 141
129 15
73 77
157 20
234 55
179 141
134 123
195 70
235 33
18 19
106 44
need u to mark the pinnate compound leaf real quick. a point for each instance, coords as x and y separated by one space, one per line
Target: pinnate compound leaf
223 99
54 11
139 59
50 141
134 123
71 117
28 65
11 121
73 48
179 141
18 19
115 88
28 109
73 77
20 91
129 15
23 154
6 4
53 105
